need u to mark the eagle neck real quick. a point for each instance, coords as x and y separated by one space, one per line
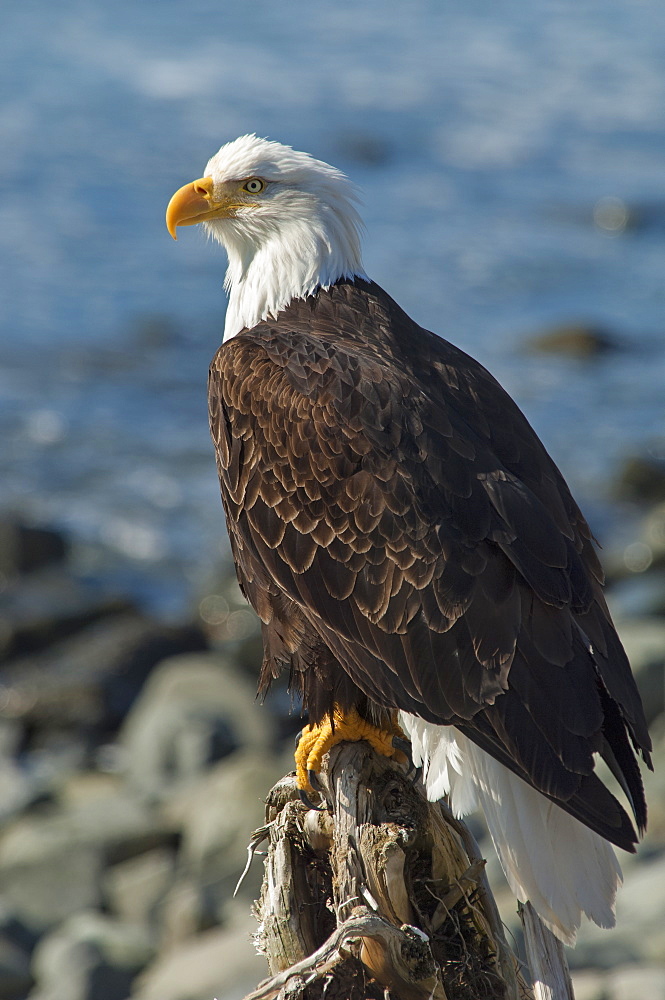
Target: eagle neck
264 277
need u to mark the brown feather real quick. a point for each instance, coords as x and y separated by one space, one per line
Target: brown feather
408 543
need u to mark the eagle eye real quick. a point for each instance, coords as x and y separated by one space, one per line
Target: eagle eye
254 185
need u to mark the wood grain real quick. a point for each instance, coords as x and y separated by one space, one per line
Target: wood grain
379 895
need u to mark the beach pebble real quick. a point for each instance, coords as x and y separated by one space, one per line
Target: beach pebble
90 957
575 340
194 710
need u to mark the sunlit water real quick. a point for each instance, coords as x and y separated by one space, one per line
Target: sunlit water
482 136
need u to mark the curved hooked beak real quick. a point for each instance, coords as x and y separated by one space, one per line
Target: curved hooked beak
194 203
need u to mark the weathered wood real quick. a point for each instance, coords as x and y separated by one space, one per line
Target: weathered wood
546 958
507 961
292 910
379 896
362 931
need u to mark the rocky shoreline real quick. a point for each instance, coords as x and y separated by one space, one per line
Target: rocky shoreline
134 759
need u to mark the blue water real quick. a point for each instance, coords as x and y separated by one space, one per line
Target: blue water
482 135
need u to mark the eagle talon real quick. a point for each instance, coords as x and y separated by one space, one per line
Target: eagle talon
313 778
342 726
305 799
404 746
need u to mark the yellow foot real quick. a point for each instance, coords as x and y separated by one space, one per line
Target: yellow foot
316 741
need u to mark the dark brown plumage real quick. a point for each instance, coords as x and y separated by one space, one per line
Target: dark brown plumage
408 543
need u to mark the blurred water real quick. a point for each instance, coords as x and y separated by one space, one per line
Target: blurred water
482 136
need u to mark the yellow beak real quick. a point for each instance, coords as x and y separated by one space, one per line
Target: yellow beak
193 203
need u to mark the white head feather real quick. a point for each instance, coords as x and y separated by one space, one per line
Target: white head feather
301 233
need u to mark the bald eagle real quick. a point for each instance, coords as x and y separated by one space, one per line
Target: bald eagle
410 547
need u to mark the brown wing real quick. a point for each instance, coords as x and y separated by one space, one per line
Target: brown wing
382 487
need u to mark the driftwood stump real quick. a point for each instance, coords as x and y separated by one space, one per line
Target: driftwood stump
546 957
379 896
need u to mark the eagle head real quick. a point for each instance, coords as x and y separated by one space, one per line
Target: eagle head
287 221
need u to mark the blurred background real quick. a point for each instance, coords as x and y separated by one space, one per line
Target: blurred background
511 159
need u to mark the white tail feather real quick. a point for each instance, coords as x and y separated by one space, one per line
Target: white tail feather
549 858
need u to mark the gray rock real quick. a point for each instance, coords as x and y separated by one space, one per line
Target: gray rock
219 963
92 679
640 593
642 478
28 778
218 812
575 340
25 548
51 862
134 889
193 711
635 567
186 910
589 984
644 552
18 788
90 957
14 931
639 937
43 891
627 982
216 815
46 607
636 983
92 810
653 533
15 975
